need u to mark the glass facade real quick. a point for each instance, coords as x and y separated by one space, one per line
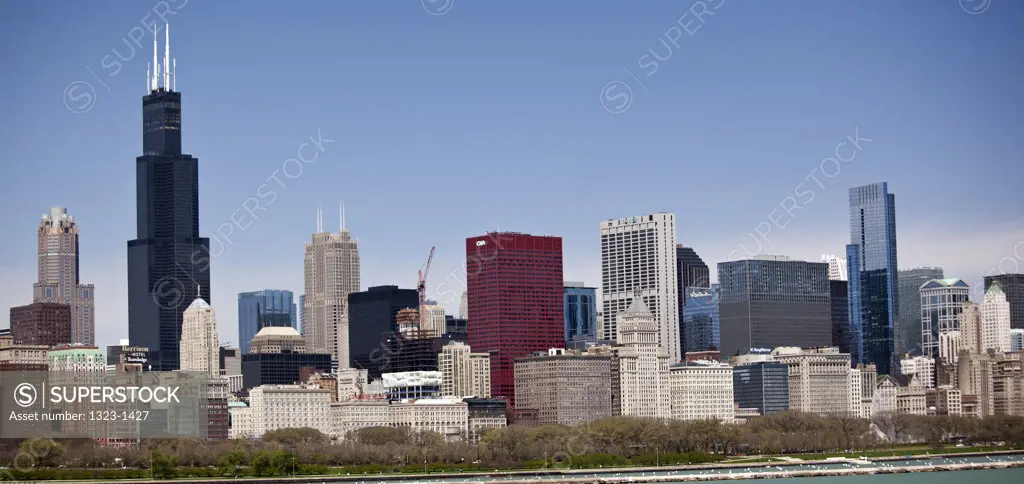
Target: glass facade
873 279
259 309
700 319
764 386
691 272
770 302
840 314
908 325
942 301
371 316
580 313
1013 286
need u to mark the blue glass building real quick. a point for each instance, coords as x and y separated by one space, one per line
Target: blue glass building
873 276
580 312
700 319
259 309
762 385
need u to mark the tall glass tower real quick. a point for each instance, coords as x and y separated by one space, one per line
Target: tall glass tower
873 276
259 309
168 262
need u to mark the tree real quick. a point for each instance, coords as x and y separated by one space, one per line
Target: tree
46 452
232 462
165 466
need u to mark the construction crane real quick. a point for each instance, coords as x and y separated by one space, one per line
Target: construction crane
421 288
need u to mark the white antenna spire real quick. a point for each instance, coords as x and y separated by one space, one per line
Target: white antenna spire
156 65
147 77
167 57
174 72
319 219
342 215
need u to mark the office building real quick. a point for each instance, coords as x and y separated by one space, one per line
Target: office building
275 407
1017 339
872 274
516 300
41 324
941 303
259 309
22 357
127 358
771 301
76 358
230 363
456 328
200 346
331 274
840 311
691 272
372 318
277 356
643 364
908 325
411 384
435 319
168 262
763 386
485 414
1013 286
995 320
819 379
563 387
464 305
639 254
57 245
464 373
702 390
922 367
701 319
950 344
580 312
836 267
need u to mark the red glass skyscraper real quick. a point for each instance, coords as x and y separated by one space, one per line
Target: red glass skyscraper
516 302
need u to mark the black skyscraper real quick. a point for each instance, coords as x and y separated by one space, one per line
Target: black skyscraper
371 316
168 262
691 271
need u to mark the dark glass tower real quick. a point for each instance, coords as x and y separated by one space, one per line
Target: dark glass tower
1013 286
873 277
908 326
691 272
168 262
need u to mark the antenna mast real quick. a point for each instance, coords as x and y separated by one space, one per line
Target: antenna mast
156 65
342 215
167 57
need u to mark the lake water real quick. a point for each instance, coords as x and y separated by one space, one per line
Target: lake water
987 476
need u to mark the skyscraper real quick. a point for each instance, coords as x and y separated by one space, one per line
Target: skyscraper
836 267
57 246
908 326
701 330
691 271
516 300
331 274
1013 286
200 346
872 274
639 254
168 262
580 312
995 320
643 365
942 300
771 301
839 300
372 315
259 309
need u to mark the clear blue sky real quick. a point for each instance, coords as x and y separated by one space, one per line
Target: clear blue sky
490 116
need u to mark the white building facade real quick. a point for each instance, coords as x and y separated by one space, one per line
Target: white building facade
643 365
199 349
434 319
274 407
638 256
921 366
819 379
464 373
836 267
995 320
702 390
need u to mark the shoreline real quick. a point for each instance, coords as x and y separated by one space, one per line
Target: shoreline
573 476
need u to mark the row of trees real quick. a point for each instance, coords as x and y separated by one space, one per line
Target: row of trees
604 442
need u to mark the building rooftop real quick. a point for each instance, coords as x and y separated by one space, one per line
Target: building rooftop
199 303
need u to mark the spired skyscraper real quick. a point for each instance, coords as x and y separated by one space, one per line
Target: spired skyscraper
58 274
873 276
331 274
168 262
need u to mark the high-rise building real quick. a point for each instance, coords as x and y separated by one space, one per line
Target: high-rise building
200 346
908 326
516 300
168 261
259 309
1017 339
464 373
762 385
564 388
995 320
464 306
57 245
372 319
922 367
639 254
580 312
691 271
643 388
872 274
840 303
701 331
277 356
836 267
302 322
771 301
702 390
435 319
455 328
46 324
331 274
941 303
1013 287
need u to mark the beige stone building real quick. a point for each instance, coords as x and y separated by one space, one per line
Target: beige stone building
819 379
564 387
331 274
464 373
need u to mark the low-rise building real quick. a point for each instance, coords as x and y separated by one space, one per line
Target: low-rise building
921 366
819 379
911 395
702 390
763 386
564 387
273 407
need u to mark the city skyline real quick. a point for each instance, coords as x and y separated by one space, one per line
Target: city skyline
987 231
